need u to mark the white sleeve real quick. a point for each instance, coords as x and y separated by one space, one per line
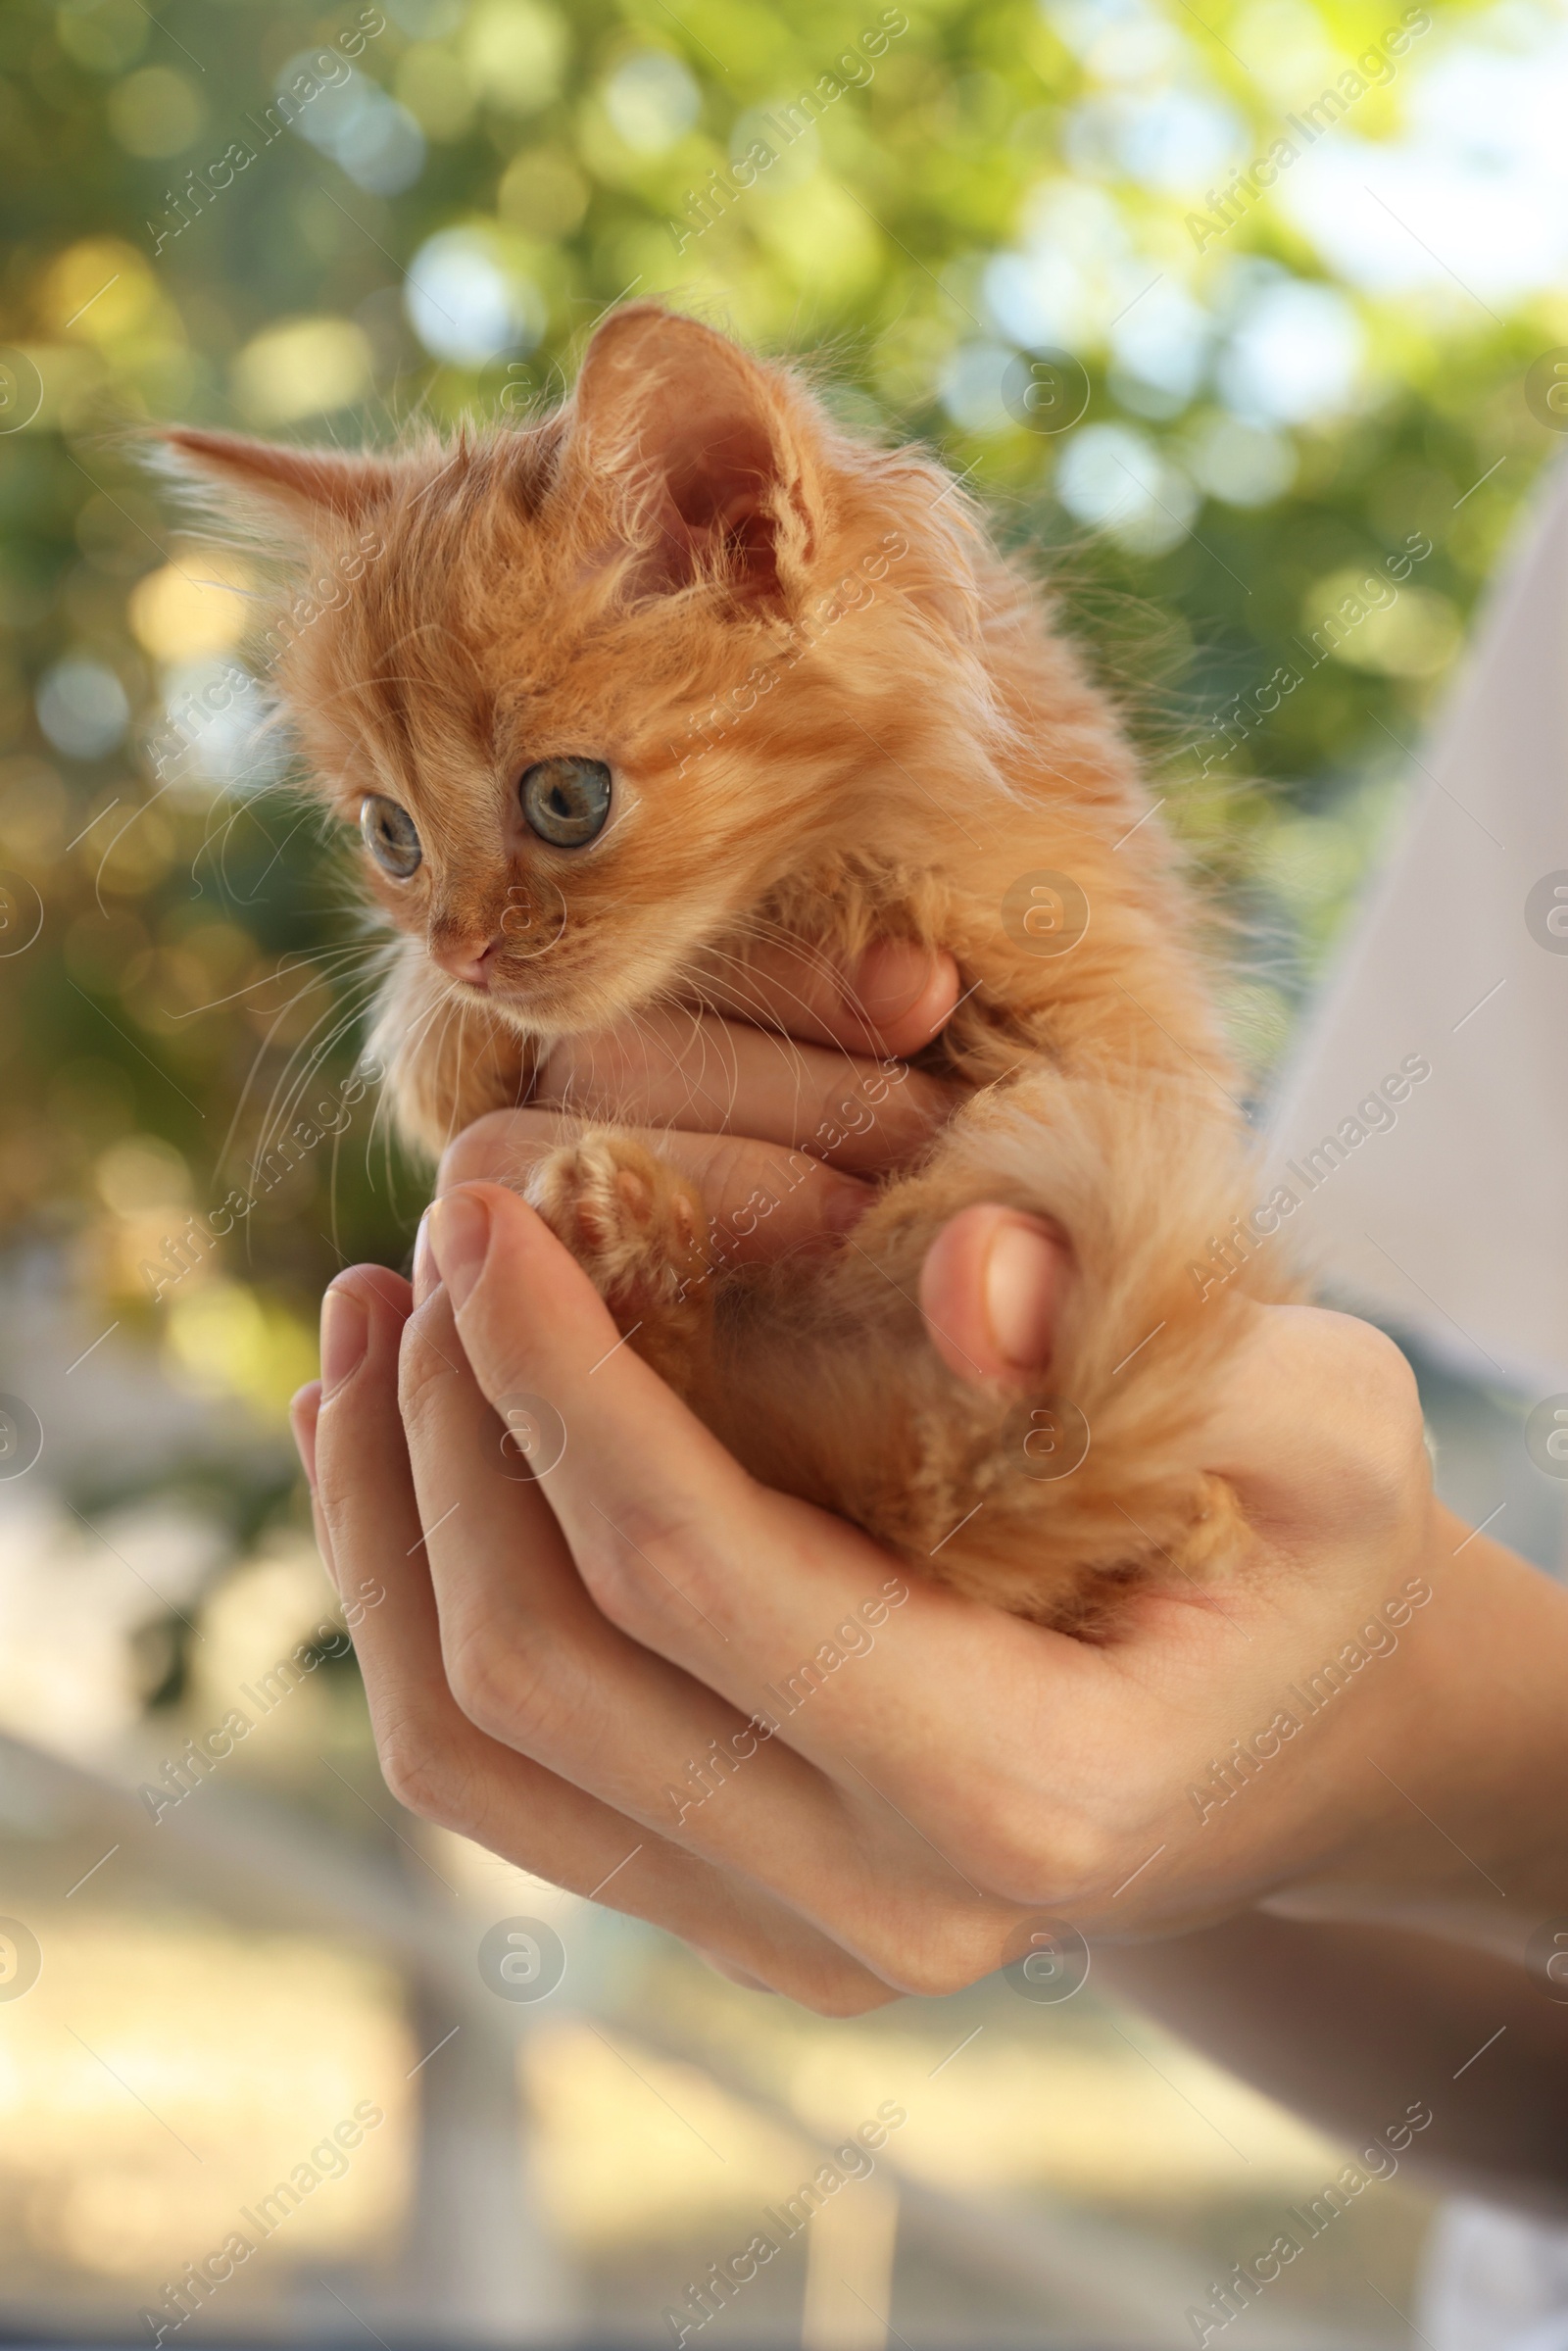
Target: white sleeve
1495 2280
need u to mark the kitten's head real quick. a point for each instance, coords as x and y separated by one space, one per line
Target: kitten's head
592 685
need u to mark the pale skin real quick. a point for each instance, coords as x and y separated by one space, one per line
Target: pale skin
550 1665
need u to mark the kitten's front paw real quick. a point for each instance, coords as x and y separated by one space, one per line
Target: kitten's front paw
631 1220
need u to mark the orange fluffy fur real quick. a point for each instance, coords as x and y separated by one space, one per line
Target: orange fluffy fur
832 713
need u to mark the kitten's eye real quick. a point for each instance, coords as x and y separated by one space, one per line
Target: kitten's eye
566 800
390 836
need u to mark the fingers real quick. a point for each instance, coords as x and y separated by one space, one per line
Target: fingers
990 1290
894 999
767 1202
759 1596
533 1662
436 1761
537 1665
694 1071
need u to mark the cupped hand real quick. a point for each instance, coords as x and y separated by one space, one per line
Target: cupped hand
642 1676
645 1677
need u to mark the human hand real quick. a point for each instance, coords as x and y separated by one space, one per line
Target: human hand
564 1664
780 1102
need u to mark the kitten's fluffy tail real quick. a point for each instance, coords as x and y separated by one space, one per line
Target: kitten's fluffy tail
1093 1475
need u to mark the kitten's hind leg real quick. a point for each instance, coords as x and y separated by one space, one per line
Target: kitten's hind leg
1048 1493
636 1225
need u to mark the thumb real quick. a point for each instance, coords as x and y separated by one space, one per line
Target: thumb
991 1289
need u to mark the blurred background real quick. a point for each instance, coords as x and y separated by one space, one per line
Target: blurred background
1215 401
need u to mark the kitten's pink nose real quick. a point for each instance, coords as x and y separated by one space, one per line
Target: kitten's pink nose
466 959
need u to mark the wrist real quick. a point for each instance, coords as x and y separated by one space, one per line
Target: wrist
1453 1793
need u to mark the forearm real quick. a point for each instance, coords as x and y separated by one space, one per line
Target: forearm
1353 2027
1407 1970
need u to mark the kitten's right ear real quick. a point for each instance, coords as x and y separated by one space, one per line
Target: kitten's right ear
298 486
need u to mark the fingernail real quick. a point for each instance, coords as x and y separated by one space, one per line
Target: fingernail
1022 1274
460 1236
302 1424
844 1204
426 1277
345 1335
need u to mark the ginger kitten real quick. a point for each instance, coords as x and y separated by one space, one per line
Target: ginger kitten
683 668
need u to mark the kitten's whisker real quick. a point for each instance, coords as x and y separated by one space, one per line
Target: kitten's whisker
815 958
291 1087
810 955
462 1032
768 1019
758 1009
256 1064
245 808
705 1039
410 1045
315 1060
699 1098
323 964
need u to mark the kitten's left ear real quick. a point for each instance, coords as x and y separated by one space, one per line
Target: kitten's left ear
706 444
299 486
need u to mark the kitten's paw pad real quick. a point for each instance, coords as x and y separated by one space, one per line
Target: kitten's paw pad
630 1218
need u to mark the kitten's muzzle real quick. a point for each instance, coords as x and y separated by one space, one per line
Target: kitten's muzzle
531 923
467 960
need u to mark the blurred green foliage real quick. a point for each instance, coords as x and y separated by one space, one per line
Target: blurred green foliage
559 160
